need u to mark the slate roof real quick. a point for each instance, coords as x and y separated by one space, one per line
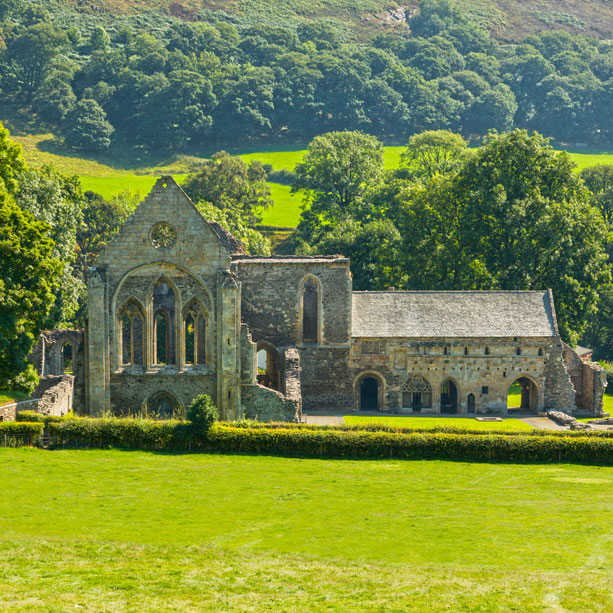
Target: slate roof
453 314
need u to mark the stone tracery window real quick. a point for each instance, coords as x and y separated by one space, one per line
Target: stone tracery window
416 393
131 334
310 311
195 324
164 338
163 236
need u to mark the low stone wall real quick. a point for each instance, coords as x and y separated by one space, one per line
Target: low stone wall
8 412
55 395
265 404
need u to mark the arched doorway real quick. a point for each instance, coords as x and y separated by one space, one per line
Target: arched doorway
67 358
449 397
163 405
470 403
268 366
522 395
369 394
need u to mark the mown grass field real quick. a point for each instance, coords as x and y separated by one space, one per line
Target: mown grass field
428 423
110 179
136 531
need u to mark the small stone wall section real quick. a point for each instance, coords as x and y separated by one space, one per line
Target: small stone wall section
588 379
265 404
291 381
55 395
559 389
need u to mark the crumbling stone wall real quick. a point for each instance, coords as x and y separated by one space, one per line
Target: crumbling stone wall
7 412
265 404
55 395
291 381
588 380
46 356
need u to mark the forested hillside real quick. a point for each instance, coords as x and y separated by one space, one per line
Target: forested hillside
195 77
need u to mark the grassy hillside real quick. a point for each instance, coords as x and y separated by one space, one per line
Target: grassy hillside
507 19
109 180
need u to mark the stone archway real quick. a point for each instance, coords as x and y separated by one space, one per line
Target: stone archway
449 397
523 395
163 405
369 391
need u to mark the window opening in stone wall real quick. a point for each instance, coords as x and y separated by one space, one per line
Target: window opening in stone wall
164 342
161 338
465 350
522 395
518 351
446 351
131 329
268 370
200 340
541 352
190 334
487 351
67 358
162 405
485 389
310 312
449 397
369 394
470 403
416 394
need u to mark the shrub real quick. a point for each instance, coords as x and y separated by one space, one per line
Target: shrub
202 413
17 434
34 417
445 446
103 433
608 366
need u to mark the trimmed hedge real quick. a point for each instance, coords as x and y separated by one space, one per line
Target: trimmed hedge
333 443
423 445
382 427
16 434
130 433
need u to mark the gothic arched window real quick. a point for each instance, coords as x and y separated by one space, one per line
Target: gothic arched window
310 311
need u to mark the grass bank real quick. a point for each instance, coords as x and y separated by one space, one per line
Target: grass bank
429 423
112 530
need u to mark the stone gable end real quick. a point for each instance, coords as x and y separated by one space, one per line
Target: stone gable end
194 243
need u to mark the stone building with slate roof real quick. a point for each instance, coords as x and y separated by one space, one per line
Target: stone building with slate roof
177 308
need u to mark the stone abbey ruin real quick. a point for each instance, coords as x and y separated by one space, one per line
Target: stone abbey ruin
177 308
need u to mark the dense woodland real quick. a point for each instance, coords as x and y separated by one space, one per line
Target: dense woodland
510 214
201 86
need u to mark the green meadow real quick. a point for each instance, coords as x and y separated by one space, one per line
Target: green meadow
428 423
135 531
109 178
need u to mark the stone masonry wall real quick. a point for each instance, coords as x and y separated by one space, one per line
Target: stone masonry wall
291 381
55 394
265 404
271 293
588 381
482 367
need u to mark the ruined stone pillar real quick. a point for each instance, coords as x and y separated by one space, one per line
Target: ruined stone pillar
228 356
98 397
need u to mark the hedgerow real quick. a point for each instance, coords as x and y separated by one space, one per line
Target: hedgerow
332 443
34 417
16 434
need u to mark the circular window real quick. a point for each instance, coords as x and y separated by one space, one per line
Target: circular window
163 236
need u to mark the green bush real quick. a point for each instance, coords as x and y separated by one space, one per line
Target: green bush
103 433
444 446
17 434
34 417
202 413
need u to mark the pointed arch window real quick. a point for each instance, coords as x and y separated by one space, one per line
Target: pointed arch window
310 311
195 324
131 334
416 393
164 338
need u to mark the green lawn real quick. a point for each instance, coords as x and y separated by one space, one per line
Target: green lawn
134 531
608 403
7 397
111 185
427 423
